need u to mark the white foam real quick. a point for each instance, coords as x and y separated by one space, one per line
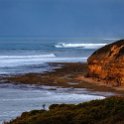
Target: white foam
27 56
15 101
17 60
14 61
13 64
80 45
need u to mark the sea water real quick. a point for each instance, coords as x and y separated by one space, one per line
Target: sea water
24 55
15 99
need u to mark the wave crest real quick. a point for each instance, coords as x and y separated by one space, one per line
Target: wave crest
80 45
27 56
23 60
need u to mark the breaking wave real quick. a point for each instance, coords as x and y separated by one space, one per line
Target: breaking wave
80 45
27 56
20 60
12 61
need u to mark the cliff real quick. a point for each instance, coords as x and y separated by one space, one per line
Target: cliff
107 64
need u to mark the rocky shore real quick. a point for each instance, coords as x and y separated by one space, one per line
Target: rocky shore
104 71
71 75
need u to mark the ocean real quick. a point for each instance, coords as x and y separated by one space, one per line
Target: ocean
25 55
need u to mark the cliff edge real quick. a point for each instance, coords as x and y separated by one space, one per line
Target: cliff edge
107 64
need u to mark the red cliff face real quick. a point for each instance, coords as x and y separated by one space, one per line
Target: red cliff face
107 64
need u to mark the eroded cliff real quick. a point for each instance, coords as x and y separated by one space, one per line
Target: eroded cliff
107 64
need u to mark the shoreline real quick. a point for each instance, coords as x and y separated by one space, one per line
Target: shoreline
18 102
68 75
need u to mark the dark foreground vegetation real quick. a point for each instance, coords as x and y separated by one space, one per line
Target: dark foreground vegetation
106 111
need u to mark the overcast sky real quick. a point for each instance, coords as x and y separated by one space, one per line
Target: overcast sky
62 18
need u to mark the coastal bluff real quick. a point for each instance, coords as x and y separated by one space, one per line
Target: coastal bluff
107 64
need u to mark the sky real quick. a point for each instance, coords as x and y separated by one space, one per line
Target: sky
62 18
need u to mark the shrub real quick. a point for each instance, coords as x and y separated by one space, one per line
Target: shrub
106 111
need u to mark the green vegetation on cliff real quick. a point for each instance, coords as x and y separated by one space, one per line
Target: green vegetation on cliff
106 111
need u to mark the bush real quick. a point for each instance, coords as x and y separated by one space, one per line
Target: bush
106 111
